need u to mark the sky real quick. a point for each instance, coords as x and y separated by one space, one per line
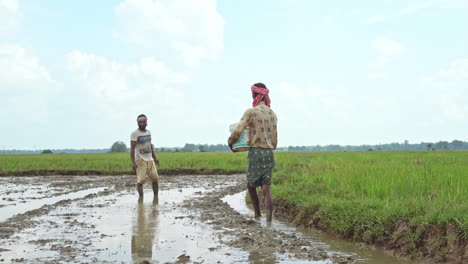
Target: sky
76 74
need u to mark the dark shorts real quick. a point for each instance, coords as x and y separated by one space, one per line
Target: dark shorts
260 164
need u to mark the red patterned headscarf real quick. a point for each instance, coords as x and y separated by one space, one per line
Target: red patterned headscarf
261 93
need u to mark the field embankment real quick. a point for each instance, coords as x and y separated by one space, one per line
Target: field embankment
119 164
413 203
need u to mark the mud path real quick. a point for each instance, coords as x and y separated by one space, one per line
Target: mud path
197 219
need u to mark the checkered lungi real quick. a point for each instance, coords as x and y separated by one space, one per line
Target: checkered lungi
260 166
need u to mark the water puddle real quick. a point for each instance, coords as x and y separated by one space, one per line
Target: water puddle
14 209
116 227
157 230
333 244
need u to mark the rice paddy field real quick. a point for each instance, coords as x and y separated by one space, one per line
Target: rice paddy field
364 196
119 163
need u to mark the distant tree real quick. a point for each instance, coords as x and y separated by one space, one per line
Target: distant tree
202 148
186 150
46 151
443 144
192 147
457 144
118 146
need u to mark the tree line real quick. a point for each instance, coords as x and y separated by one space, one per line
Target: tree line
455 144
196 148
120 146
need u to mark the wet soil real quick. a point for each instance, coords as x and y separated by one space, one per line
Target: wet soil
195 219
172 172
423 243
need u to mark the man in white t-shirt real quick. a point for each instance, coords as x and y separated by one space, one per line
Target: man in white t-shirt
144 160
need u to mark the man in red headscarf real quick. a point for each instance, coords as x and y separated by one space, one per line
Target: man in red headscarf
263 137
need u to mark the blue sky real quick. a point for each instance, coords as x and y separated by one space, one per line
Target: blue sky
76 74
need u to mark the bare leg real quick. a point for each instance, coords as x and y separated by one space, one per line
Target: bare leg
140 189
254 200
267 198
155 189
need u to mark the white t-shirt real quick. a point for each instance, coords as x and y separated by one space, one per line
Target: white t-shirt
143 145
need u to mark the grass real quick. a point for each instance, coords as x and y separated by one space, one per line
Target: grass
368 193
119 163
363 193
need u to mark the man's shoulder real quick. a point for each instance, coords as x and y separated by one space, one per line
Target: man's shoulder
251 109
134 135
261 108
135 132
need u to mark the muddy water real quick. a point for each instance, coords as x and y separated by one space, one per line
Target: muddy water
196 219
363 253
23 207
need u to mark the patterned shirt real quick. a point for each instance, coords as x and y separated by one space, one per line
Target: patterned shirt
143 148
261 121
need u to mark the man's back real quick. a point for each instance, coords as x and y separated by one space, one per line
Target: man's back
262 123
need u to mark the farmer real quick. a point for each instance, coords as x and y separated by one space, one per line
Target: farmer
263 138
144 160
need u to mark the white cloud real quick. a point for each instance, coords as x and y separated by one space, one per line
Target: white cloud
191 28
121 90
18 109
309 114
21 70
447 91
313 102
8 15
387 51
25 85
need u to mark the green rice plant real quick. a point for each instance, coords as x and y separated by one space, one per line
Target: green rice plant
368 191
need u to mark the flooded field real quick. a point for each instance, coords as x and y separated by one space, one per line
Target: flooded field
196 219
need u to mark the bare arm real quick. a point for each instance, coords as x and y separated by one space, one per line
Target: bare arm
154 155
132 154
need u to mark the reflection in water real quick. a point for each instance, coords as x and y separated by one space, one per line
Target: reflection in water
144 231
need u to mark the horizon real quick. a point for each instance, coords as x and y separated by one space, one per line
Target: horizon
75 75
205 144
